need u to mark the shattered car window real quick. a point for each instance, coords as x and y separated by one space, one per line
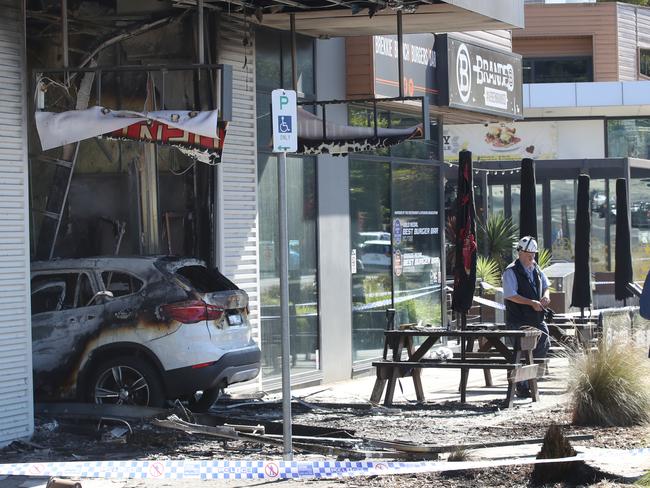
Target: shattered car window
205 280
78 289
121 284
48 298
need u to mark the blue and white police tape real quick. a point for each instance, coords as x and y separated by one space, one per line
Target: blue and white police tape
257 469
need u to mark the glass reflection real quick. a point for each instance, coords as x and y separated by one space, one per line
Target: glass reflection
303 292
371 241
416 244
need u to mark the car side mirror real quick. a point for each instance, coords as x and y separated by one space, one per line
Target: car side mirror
96 296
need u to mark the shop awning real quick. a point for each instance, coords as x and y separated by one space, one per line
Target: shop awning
314 137
334 18
199 135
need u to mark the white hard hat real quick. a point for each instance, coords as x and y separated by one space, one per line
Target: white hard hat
527 244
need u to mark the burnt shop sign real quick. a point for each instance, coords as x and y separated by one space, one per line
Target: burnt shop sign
477 78
419 59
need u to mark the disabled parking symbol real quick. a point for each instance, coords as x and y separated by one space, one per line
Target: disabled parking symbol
284 124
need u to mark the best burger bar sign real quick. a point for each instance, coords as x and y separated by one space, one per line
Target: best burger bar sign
477 78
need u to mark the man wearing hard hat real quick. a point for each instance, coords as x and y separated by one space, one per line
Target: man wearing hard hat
526 294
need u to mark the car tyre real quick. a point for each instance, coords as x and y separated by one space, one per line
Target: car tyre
126 381
206 400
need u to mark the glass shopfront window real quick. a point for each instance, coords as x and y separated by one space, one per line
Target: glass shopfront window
303 290
396 238
273 70
628 138
563 218
416 244
371 241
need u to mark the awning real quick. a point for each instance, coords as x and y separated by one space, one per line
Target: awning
339 140
200 135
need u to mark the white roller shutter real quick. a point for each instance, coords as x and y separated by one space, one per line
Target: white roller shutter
237 182
16 404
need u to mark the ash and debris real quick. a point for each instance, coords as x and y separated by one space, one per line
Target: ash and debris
432 424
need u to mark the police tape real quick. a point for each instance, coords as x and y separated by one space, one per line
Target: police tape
258 469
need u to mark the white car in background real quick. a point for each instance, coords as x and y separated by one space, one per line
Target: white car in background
376 254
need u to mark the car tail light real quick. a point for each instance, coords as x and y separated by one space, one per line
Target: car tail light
192 311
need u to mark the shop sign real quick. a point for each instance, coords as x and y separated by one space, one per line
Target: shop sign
419 58
416 227
502 141
477 78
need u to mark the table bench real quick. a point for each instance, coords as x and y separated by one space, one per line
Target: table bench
513 352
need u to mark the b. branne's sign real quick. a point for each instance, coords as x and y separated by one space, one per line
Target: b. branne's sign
451 72
476 78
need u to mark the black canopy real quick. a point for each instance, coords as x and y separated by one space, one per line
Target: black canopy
528 200
623 273
581 294
465 237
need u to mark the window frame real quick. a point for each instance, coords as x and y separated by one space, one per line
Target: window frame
558 58
640 50
92 279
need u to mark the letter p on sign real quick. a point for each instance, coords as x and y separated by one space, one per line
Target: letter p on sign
284 114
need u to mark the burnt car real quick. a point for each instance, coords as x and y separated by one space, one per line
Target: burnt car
140 331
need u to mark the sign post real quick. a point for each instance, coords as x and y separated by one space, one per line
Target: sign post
284 115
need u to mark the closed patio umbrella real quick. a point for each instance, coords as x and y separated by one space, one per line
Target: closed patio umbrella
623 272
528 200
465 238
581 293
466 251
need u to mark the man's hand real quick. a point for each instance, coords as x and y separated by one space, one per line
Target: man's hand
545 301
536 305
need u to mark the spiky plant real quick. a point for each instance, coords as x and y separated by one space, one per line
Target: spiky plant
460 455
498 233
487 270
610 386
544 258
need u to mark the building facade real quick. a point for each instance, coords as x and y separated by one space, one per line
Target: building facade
586 109
127 197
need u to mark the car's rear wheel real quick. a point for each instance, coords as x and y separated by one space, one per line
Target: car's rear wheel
126 381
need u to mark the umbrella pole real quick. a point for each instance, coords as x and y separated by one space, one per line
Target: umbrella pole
464 372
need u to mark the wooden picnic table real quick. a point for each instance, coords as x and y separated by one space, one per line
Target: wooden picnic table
513 351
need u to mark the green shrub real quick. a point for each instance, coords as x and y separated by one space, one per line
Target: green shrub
610 386
544 258
499 234
487 270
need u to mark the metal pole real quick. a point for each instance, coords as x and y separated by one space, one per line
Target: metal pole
64 31
294 55
400 54
284 306
201 40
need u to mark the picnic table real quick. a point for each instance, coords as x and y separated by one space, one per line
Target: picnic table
510 350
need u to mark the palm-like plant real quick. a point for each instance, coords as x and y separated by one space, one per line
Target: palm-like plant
544 258
499 232
487 270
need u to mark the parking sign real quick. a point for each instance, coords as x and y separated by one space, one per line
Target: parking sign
284 114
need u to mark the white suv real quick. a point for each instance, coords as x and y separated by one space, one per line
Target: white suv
139 330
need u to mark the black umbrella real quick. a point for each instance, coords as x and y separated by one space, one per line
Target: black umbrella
581 294
623 273
528 200
465 240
